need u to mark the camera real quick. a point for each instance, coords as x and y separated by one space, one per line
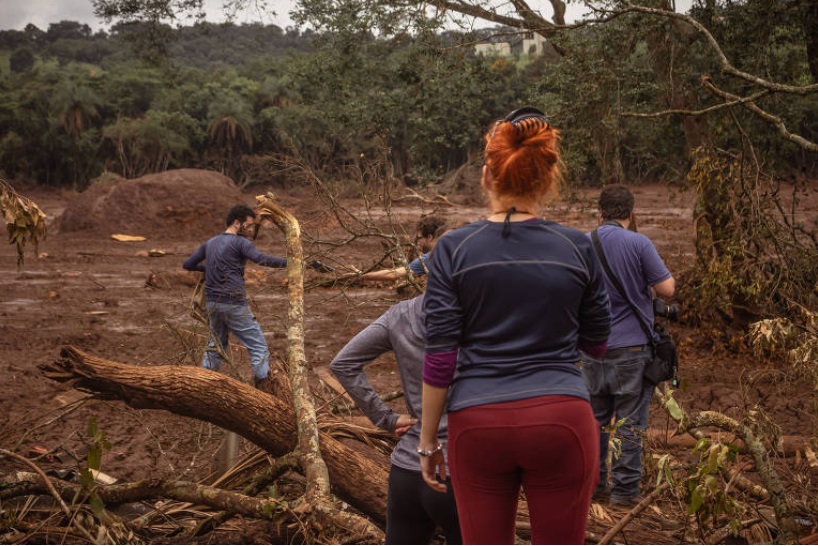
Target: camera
662 309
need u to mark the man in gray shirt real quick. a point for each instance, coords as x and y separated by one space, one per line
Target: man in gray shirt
413 510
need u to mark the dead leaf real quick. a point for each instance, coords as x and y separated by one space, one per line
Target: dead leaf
127 238
47 454
813 460
598 512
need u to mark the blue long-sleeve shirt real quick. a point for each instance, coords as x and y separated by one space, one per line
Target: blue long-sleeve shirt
512 311
222 259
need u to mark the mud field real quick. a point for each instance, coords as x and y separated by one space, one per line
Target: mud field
130 302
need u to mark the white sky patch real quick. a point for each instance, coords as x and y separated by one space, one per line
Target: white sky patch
16 14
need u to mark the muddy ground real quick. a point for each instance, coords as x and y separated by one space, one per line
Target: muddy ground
129 302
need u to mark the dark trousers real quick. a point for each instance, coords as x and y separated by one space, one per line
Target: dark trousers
549 445
619 392
414 510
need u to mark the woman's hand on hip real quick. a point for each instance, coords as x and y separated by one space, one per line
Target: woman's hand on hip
404 423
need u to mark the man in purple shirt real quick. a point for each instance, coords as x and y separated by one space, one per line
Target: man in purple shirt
615 380
222 259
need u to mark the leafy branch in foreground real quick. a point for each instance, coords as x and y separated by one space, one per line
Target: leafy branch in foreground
24 220
703 489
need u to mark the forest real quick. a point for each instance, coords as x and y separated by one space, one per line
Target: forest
346 128
147 97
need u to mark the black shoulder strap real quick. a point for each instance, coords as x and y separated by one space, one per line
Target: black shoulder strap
615 281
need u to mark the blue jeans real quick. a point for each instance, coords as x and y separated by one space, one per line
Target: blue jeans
618 391
238 319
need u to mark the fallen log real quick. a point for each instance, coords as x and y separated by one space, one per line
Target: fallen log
788 445
267 421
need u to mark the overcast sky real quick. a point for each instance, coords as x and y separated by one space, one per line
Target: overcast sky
16 14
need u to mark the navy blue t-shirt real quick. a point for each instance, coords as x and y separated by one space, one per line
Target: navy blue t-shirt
224 257
515 309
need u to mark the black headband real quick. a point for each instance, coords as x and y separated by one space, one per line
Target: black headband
519 117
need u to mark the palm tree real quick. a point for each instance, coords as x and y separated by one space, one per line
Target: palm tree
76 105
230 131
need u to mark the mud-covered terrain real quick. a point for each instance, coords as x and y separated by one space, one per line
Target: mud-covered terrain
130 302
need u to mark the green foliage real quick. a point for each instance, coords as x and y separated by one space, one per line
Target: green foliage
708 496
152 143
21 60
97 444
612 70
373 76
754 257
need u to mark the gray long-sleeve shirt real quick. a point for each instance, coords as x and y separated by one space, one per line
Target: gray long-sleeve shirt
401 330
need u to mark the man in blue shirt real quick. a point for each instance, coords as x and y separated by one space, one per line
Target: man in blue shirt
615 380
429 229
222 259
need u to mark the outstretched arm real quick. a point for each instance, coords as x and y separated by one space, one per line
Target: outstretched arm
385 274
254 255
418 267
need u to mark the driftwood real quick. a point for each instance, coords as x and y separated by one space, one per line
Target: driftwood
213 397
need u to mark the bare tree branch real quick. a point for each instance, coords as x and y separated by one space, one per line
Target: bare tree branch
703 111
46 482
725 64
763 114
314 466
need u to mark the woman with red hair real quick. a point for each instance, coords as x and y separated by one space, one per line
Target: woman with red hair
509 303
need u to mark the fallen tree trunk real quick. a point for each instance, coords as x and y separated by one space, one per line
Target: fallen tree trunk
214 397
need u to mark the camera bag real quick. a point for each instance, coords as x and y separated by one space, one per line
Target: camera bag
665 363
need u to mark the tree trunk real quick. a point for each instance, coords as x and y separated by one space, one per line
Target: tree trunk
315 469
809 22
215 398
669 49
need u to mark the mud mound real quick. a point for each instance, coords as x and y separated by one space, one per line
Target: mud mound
162 205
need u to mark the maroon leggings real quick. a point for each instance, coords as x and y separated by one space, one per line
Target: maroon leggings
549 445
